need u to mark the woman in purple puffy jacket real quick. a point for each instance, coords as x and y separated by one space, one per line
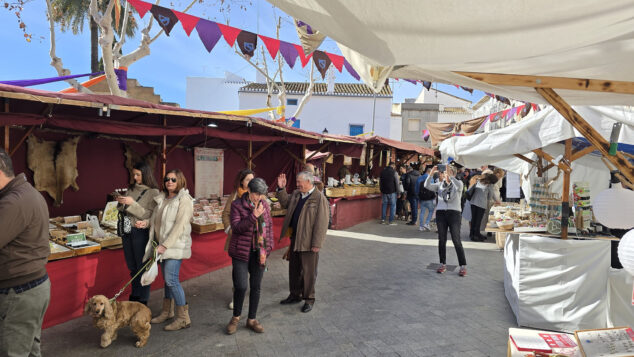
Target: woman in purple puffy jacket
251 243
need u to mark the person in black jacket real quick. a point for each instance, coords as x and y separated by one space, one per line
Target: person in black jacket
412 194
389 186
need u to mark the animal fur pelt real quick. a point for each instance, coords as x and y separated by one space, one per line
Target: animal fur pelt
132 158
54 166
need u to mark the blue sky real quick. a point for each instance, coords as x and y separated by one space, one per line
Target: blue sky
172 58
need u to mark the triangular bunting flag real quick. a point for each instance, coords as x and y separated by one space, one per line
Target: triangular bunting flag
272 45
535 107
140 6
351 70
308 37
230 33
427 84
302 57
289 52
189 22
505 113
512 113
247 41
209 33
336 60
467 89
410 81
322 61
165 18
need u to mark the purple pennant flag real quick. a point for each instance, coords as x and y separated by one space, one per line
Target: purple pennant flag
209 33
165 17
409 80
427 84
289 52
512 113
309 29
122 78
351 70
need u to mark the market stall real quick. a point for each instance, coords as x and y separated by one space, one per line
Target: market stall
540 149
98 136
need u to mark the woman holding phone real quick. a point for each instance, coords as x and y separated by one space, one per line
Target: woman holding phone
251 243
448 216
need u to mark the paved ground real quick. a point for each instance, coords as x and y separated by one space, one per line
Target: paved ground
375 296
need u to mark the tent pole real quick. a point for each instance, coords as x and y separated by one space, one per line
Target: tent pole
6 128
593 136
164 150
303 155
250 152
565 195
28 132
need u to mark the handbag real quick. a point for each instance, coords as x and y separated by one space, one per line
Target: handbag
124 223
470 192
151 273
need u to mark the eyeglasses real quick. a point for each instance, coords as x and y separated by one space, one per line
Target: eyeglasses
168 179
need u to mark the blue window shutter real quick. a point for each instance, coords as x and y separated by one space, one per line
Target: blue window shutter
296 124
356 130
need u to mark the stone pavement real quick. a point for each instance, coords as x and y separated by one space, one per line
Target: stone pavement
375 295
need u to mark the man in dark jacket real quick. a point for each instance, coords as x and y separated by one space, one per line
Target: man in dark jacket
412 192
24 250
307 221
388 184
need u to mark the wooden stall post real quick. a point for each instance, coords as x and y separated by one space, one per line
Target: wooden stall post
304 155
6 128
164 151
565 195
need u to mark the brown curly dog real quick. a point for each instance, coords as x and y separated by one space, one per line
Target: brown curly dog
111 317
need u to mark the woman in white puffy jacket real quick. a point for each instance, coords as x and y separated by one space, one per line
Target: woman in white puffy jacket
170 228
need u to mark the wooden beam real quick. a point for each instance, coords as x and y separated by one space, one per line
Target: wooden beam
6 128
565 194
520 156
26 135
587 131
164 149
304 155
250 151
593 85
318 150
580 153
551 159
262 149
173 147
246 159
293 155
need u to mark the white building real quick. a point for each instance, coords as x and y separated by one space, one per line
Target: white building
213 94
349 109
451 109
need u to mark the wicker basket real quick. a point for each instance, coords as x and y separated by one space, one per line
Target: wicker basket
335 192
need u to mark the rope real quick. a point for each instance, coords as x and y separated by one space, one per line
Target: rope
143 268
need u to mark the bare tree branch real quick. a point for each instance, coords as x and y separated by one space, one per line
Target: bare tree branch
309 91
106 38
56 62
119 45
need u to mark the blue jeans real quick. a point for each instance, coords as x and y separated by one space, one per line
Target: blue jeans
428 206
413 202
388 199
173 288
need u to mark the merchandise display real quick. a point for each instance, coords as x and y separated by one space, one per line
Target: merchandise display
208 214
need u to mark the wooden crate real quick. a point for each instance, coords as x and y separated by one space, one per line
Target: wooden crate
335 192
107 241
278 212
60 253
206 228
92 248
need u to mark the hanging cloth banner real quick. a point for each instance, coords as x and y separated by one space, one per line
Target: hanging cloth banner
34 82
247 41
322 61
165 17
309 38
253 111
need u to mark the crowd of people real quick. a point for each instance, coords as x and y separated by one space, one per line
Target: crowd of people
152 221
418 192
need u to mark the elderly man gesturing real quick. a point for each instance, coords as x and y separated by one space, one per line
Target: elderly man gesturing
306 223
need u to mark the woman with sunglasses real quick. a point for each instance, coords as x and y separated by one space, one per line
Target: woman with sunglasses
170 228
136 207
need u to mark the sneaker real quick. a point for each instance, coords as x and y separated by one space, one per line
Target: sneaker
427 227
392 223
442 269
463 271
421 228
382 221
410 223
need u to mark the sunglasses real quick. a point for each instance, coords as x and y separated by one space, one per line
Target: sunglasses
168 179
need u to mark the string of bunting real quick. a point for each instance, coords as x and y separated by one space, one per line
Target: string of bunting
427 85
210 32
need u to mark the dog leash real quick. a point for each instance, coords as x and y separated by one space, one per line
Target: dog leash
143 268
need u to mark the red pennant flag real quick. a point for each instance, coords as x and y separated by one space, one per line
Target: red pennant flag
505 113
273 45
302 57
189 22
534 106
336 60
230 33
141 7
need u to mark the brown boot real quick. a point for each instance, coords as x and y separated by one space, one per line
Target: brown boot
166 313
181 320
254 325
233 325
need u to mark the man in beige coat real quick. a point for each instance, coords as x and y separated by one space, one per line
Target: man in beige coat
306 223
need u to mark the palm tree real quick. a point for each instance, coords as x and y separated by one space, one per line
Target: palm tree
73 14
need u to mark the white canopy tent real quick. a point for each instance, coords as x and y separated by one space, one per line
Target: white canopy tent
434 40
545 130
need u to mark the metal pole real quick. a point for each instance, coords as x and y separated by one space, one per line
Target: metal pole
373 111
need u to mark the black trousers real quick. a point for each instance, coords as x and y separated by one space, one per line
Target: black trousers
477 213
449 219
133 249
253 272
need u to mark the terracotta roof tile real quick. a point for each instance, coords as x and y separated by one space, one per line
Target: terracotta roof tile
341 89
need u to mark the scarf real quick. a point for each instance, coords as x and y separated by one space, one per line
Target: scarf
259 243
240 192
446 191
